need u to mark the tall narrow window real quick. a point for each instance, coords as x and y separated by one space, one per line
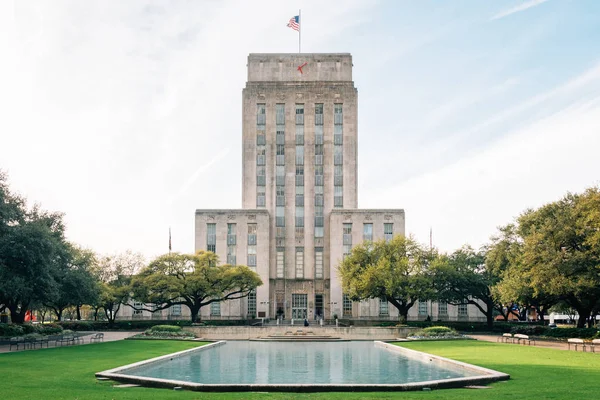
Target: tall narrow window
280 262
368 232
347 239
280 175
231 244
261 178
318 114
346 306
338 155
252 231
280 216
338 196
261 197
299 114
388 231
319 181
299 262
384 309
215 309
252 304
422 308
463 310
211 237
261 111
261 154
299 175
318 262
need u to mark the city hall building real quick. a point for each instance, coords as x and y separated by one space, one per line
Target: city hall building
300 214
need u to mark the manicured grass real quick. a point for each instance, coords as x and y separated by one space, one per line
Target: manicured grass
68 373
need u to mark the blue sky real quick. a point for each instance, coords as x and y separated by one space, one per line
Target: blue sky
127 115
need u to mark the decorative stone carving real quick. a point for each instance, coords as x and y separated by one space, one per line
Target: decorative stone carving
387 217
210 217
337 95
299 95
281 96
231 217
261 96
252 216
347 217
368 217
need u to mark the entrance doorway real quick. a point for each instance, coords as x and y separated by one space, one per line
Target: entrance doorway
299 306
318 306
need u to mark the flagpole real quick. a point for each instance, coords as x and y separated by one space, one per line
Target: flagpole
299 31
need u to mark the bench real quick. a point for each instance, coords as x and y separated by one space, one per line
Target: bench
576 342
524 338
68 339
16 341
505 338
97 337
593 345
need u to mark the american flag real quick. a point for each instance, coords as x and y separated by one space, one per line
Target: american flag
294 23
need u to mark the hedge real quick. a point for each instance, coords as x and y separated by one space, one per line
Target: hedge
118 325
166 328
10 330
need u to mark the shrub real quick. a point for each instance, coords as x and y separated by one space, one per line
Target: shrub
436 332
168 334
166 328
77 325
10 330
536 330
439 331
28 328
583 333
49 329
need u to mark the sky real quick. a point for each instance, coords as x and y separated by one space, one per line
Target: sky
126 116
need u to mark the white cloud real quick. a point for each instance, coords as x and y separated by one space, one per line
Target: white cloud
521 7
466 201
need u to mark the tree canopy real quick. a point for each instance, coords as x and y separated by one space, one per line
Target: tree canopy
396 271
561 251
193 280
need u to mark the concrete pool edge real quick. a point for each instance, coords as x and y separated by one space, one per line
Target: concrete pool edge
487 376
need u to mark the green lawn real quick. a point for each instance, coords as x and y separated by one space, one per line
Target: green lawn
68 373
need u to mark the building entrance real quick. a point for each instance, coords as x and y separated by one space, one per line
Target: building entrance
299 306
318 306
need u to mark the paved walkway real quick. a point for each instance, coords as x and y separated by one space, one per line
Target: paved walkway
538 343
109 336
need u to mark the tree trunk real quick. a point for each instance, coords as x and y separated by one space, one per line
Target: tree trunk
78 313
17 317
541 312
584 315
195 313
489 313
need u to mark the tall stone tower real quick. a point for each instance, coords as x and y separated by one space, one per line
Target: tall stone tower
299 201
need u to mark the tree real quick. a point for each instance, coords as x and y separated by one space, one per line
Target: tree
77 285
30 254
114 273
515 289
464 278
562 249
394 271
193 280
